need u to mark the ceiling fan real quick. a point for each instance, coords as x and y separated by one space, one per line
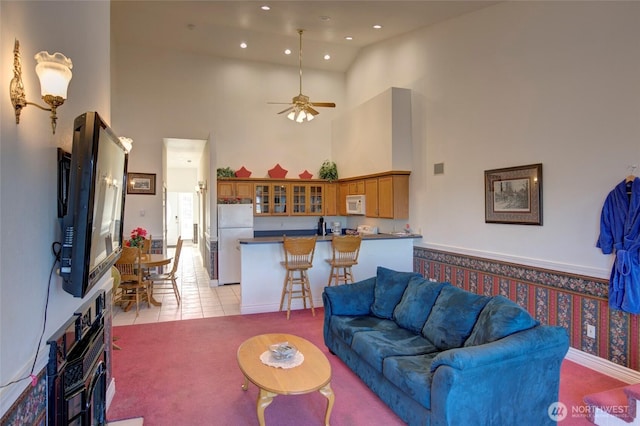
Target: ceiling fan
301 108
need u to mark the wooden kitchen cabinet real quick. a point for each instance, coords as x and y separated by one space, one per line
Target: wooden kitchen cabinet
343 191
307 199
331 199
357 187
386 195
238 189
393 197
270 199
371 197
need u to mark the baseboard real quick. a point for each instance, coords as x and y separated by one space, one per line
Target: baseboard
296 304
603 366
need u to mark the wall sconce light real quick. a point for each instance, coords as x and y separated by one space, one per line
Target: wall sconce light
127 143
54 72
202 184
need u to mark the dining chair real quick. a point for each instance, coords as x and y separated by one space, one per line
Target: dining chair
134 288
298 258
345 249
115 297
166 283
145 245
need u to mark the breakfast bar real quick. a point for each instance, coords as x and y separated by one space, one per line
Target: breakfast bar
262 276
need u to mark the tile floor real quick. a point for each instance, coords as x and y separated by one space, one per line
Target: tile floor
199 299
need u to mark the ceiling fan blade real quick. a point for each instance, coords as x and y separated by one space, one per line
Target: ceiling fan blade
324 104
286 110
311 110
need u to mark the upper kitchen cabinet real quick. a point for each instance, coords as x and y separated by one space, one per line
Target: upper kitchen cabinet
386 194
281 197
331 199
357 187
234 190
393 197
307 199
270 199
343 191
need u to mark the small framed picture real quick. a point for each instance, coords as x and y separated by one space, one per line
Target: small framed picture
514 195
141 183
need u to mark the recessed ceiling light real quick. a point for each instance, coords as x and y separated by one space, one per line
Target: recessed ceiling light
265 7
327 57
348 38
243 45
325 18
377 26
287 51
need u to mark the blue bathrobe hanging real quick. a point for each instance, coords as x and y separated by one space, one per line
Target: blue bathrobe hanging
620 234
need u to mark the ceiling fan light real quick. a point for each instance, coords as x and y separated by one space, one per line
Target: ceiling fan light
301 116
292 115
310 117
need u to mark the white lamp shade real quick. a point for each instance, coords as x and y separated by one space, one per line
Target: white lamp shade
54 72
127 143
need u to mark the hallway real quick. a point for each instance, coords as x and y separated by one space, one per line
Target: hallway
199 299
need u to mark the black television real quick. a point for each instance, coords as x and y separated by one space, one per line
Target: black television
93 224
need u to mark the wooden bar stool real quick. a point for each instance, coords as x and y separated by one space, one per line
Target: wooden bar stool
345 254
298 258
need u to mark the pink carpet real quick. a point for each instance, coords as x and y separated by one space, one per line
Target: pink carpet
185 373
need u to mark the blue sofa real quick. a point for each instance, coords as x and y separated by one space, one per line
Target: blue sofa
439 355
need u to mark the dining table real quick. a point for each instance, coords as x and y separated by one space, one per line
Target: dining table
153 260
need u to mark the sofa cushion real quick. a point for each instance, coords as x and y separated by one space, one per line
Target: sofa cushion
500 318
375 346
416 303
347 326
412 374
389 288
352 299
453 317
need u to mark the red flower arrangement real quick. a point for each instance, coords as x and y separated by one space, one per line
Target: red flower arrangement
137 235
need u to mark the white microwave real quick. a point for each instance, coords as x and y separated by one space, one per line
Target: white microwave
355 204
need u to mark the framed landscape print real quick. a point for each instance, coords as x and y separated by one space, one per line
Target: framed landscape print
141 183
514 195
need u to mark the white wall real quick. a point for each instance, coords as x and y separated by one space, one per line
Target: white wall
517 83
28 172
164 94
374 136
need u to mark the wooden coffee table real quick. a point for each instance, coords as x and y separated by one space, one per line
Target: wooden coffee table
314 374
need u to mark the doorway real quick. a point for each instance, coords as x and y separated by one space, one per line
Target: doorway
184 165
180 217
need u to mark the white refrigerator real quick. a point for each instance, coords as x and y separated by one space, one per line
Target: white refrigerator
235 221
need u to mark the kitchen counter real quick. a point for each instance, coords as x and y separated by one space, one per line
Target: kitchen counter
262 275
329 237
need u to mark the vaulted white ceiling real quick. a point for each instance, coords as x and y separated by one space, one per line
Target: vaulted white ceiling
218 27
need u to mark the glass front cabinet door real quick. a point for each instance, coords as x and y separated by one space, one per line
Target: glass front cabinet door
270 199
307 199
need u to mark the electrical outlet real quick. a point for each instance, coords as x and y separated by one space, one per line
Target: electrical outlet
591 331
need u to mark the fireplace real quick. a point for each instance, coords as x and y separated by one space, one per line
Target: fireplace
76 372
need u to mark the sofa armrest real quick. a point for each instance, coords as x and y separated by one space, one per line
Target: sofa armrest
349 299
523 343
513 380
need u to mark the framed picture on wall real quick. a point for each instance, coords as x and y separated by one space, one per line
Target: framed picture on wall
141 183
514 195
